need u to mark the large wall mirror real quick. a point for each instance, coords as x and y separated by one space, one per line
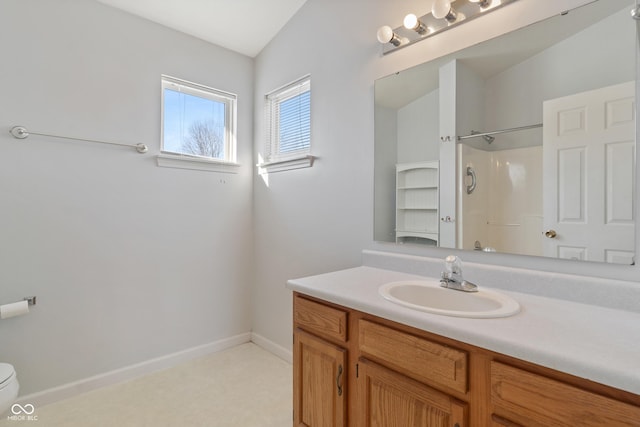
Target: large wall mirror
522 144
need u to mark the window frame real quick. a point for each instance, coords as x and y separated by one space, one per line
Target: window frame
275 160
205 92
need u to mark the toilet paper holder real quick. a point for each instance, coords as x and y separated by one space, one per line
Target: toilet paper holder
17 308
30 300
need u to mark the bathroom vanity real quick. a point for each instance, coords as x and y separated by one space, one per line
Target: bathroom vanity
360 360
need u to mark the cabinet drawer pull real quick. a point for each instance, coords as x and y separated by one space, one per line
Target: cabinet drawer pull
338 382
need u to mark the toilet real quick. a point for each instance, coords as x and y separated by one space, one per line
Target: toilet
8 387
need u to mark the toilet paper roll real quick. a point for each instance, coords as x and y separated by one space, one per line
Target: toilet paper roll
14 309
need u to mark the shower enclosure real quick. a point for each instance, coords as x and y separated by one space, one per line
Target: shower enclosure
503 211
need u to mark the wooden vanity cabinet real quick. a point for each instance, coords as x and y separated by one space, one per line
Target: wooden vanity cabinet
355 369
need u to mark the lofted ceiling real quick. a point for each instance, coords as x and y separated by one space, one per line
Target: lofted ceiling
244 26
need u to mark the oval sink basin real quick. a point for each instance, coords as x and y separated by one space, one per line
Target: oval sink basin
429 296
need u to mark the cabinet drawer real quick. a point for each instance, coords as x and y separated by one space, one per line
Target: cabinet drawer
531 399
416 357
320 319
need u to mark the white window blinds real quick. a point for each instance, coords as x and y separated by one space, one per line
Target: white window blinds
289 121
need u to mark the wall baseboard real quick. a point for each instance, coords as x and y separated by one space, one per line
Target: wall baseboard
272 347
127 373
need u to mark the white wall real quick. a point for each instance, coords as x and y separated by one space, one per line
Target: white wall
448 182
405 135
470 104
315 220
386 122
129 261
418 123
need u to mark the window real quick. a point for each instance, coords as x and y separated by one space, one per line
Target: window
198 121
289 122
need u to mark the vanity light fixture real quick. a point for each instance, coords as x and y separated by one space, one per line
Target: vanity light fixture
387 35
441 17
411 22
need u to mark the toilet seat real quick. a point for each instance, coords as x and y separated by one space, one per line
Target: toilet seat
7 374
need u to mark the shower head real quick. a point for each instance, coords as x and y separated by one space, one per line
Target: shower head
487 138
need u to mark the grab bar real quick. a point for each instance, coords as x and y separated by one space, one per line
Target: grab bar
472 174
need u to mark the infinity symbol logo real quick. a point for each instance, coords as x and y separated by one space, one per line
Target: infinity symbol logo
17 409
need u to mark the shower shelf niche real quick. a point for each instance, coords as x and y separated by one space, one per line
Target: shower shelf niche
417 203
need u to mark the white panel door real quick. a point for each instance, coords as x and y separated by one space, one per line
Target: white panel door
589 175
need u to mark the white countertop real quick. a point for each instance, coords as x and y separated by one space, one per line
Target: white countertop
592 342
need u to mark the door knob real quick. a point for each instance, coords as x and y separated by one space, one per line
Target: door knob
550 234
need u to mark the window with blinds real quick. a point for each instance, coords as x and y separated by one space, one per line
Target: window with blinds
289 121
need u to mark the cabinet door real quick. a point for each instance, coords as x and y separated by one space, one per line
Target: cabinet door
389 399
319 379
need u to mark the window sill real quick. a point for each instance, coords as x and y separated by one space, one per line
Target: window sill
285 165
195 163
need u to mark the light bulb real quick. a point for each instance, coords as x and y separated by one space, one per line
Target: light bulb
441 9
411 22
386 35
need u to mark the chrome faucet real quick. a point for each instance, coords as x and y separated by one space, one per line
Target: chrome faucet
452 276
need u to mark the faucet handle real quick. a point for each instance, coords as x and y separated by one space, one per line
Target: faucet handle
453 265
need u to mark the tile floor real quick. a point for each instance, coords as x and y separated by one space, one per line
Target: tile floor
243 386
